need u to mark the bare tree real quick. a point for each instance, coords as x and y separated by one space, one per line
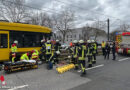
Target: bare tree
42 19
13 10
64 22
86 32
124 27
98 25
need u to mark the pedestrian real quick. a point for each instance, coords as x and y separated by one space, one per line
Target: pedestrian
107 50
103 47
81 57
114 51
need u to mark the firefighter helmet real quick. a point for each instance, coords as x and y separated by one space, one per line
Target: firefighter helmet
75 41
81 41
89 41
16 41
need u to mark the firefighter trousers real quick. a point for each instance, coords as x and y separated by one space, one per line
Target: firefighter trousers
89 60
82 65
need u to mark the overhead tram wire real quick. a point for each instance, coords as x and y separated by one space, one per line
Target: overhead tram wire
52 10
85 9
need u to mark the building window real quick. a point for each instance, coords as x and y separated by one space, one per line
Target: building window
79 36
75 36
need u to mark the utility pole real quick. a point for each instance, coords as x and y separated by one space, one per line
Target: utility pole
108 28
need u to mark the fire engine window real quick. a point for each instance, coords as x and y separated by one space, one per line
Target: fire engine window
3 40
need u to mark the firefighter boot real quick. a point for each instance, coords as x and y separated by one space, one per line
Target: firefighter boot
89 65
94 62
76 68
83 74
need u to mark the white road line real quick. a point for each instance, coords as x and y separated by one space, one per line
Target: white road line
93 67
18 87
123 59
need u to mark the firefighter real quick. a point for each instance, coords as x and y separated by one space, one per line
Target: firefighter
89 53
57 47
53 58
70 50
14 50
81 56
48 53
103 47
43 50
75 54
94 46
25 56
48 50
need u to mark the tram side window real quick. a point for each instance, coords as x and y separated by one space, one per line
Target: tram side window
17 36
3 41
32 39
27 39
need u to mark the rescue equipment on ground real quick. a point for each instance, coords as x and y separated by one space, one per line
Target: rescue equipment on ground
65 68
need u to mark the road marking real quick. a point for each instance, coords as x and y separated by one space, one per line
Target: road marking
93 67
18 87
123 59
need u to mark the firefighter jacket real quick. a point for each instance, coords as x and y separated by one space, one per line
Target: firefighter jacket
81 52
24 57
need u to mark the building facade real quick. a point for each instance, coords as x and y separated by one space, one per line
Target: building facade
84 34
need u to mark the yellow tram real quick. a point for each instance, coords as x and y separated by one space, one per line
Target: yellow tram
28 37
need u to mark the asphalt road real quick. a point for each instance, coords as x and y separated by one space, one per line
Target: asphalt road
105 75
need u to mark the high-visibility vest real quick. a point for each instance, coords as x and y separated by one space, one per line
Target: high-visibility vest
103 45
34 55
48 48
13 48
24 57
36 51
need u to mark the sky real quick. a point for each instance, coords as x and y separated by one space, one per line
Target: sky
88 11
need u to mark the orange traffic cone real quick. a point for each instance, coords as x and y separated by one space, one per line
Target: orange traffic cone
2 80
